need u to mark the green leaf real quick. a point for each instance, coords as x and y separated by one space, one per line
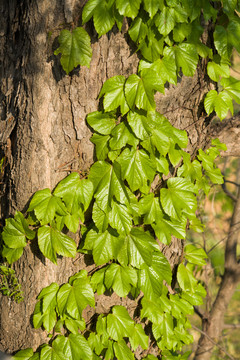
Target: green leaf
73 299
221 42
12 255
120 218
25 354
216 70
101 122
137 249
46 206
232 87
208 164
178 197
75 325
139 338
152 309
221 103
75 48
74 347
121 136
113 91
120 279
152 6
165 21
119 323
48 297
137 168
105 246
186 57
76 193
233 30
186 279
101 145
102 13
151 277
51 353
195 255
166 227
128 8
16 231
180 306
163 332
150 208
107 182
122 351
139 91
152 47
47 318
52 242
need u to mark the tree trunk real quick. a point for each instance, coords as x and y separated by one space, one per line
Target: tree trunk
48 136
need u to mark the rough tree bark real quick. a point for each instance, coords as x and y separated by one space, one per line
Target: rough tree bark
42 115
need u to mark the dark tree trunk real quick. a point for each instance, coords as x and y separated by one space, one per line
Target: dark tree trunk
48 134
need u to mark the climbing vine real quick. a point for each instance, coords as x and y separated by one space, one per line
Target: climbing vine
142 189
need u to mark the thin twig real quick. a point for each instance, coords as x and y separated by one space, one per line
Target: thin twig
214 342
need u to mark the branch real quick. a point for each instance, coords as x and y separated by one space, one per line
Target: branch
231 326
214 342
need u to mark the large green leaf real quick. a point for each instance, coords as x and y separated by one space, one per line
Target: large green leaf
195 255
16 232
178 197
51 353
232 87
25 354
48 296
164 333
47 319
150 208
186 57
76 193
107 181
128 8
119 323
221 103
216 70
152 6
101 122
73 299
137 249
165 227
180 306
121 136
120 279
122 351
113 91
137 168
153 309
12 255
74 347
101 145
102 13
75 48
151 277
120 218
139 338
46 206
186 278
165 21
104 246
52 242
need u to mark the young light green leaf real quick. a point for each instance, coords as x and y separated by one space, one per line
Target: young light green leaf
52 242
178 197
101 122
74 347
113 91
73 299
12 255
152 309
216 70
152 6
122 351
128 8
76 193
102 13
195 255
137 168
232 87
180 306
119 323
25 354
120 218
105 246
139 338
163 332
107 182
186 279
120 279
137 249
165 21
75 48
16 231
46 205
221 103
